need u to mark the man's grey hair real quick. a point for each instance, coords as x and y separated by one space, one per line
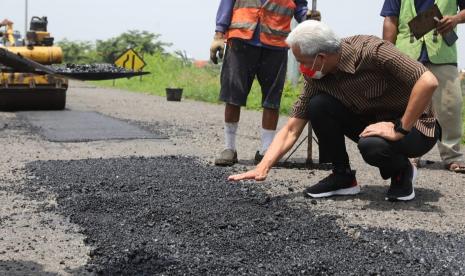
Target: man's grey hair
314 37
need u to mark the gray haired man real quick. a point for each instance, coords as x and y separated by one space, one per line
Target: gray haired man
363 88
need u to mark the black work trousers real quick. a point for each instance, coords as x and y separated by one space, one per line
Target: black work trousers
332 121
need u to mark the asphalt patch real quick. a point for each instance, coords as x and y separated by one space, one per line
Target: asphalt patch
79 126
177 216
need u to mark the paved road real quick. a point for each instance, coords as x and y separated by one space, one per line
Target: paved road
146 205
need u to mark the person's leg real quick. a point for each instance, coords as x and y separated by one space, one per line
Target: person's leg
270 118
447 102
271 74
379 152
392 160
231 119
269 123
237 75
392 157
331 122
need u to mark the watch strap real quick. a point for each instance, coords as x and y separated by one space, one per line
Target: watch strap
399 128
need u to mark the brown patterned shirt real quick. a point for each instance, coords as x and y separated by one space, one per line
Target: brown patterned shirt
373 79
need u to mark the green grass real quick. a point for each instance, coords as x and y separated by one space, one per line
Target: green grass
201 84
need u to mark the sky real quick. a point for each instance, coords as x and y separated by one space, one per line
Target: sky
188 24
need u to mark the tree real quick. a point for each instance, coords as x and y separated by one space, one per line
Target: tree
142 42
78 52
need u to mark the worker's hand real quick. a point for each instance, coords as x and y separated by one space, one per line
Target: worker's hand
447 24
258 174
5 22
382 129
313 15
217 47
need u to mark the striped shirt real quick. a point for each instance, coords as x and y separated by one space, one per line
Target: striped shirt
373 79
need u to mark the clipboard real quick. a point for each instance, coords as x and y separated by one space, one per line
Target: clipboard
427 21
424 22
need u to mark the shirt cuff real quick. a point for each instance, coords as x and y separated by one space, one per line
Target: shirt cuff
302 18
385 14
221 28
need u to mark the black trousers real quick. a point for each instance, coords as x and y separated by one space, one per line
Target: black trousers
332 121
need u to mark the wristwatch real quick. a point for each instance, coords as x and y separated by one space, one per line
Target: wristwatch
398 127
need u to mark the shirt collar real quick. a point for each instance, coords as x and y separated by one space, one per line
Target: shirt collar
347 60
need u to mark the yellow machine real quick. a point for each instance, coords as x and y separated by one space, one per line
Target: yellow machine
25 89
27 79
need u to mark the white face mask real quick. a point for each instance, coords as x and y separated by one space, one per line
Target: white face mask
318 74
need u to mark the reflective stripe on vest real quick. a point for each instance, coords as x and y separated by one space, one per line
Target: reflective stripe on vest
267 30
247 4
275 8
438 51
274 16
246 26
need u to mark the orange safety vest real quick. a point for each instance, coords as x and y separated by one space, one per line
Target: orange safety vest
274 17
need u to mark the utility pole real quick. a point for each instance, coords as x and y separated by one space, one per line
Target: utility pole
26 16
293 73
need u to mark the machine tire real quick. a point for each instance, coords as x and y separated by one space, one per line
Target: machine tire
38 99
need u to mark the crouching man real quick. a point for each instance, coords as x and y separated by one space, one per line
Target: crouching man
361 87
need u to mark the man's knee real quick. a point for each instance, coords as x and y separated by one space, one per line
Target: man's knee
372 149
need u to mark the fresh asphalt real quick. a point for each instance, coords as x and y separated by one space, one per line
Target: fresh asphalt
177 216
79 126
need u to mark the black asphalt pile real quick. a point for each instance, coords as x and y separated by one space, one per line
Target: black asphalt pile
175 215
89 68
96 71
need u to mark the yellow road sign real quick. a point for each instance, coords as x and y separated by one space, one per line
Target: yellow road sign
130 60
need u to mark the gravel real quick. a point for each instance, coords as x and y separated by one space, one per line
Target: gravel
176 215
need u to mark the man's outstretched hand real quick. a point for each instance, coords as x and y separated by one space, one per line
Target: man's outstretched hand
256 174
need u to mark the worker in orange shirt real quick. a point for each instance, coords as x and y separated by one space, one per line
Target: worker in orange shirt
255 32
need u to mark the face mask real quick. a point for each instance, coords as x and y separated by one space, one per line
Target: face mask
312 73
306 71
